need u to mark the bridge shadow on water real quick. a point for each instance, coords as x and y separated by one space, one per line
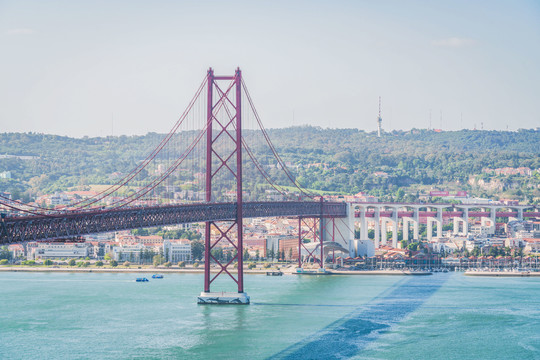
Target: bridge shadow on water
348 336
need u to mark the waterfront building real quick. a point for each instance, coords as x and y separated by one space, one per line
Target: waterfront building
177 250
16 250
98 249
58 250
532 246
365 248
289 247
128 252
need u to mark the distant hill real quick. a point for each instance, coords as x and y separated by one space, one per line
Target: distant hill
342 160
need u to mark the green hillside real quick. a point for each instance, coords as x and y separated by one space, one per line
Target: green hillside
397 166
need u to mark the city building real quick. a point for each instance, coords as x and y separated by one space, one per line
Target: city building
177 250
58 251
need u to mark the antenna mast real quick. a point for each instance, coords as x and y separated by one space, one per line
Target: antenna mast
379 120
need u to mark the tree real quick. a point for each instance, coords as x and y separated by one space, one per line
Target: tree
217 253
413 246
127 263
5 253
48 262
99 263
3 262
72 262
181 264
108 257
195 264
167 264
197 249
158 260
114 263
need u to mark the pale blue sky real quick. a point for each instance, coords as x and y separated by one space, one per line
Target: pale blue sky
66 66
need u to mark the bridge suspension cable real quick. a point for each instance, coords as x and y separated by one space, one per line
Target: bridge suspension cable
272 148
87 202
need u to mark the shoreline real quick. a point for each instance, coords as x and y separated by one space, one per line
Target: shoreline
502 274
286 271
381 272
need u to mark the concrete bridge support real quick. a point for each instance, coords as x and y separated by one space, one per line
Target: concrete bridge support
491 220
377 227
395 227
363 224
438 221
415 221
384 232
406 223
456 220
341 230
464 219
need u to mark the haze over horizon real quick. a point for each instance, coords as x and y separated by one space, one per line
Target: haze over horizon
130 67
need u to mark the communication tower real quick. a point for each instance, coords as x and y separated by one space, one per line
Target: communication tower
379 120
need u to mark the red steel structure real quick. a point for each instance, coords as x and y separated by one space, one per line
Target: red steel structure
316 231
315 234
228 124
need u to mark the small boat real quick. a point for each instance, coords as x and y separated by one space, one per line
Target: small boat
274 273
157 276
141 280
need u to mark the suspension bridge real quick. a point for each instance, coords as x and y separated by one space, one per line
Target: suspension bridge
203 156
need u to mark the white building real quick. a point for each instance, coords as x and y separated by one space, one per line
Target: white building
482 230
128 252
532 246
59 199
58 251
177 250
5 175
365 248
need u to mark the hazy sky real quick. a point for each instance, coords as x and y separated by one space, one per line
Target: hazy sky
68 67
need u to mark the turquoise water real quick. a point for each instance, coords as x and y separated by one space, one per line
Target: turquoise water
109 316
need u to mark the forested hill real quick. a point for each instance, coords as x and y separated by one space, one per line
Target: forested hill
342 160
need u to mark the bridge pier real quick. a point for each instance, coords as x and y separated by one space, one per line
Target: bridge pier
394 227
489 221
377 227
342 231
316 232
464 219
384 232
430 221
232 126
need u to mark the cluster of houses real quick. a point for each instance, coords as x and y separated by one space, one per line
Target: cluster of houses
524 171
277 238
263 239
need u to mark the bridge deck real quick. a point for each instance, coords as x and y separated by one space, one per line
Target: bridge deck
32 228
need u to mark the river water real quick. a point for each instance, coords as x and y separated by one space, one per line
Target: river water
109 316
